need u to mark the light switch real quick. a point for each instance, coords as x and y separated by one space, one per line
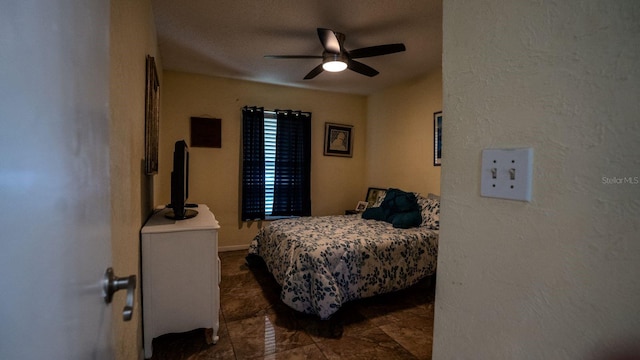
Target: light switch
507 173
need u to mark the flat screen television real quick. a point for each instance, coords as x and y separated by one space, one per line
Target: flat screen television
180 184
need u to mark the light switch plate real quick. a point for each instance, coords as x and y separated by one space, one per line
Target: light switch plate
507 173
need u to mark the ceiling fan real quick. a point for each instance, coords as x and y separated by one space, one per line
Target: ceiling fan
336 58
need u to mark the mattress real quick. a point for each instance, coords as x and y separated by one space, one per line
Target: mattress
324 262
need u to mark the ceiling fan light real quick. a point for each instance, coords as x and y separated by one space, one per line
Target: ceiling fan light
334 66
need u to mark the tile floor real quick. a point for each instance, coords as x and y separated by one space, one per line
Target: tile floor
255 324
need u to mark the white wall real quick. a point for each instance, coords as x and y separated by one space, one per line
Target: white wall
400 135
337 183
556 278
132 37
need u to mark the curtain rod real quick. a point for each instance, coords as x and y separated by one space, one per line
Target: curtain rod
254 108
293 111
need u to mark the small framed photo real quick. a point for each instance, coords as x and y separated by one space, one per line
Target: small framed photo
338 140
362 206
437 138
373 195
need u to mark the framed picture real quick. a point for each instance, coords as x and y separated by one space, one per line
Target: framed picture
437 138
362 206
373 194
206 132
338 140
152 118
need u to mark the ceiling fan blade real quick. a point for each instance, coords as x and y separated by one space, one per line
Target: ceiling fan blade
293 56
376 50
362 68
329 40
313 73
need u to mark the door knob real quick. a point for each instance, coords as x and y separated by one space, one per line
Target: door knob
113 283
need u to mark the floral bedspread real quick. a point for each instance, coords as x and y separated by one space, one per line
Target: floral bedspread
324 262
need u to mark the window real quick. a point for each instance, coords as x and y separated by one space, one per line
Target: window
276 163
270 128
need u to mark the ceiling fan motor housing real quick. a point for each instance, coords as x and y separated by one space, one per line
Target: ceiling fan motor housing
334 62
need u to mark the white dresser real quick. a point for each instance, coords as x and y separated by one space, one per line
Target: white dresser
180 275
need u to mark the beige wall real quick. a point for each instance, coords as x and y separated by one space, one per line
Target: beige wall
400 135
132 38
337 183
557 277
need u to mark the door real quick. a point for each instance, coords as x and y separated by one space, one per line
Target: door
54 179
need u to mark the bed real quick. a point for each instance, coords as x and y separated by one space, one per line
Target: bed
324 262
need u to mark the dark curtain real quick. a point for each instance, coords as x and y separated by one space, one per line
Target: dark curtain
253 163
292 184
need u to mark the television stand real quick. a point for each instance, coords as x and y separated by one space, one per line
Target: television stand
180 276
187 205
188 214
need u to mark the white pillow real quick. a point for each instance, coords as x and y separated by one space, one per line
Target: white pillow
434 215
430 212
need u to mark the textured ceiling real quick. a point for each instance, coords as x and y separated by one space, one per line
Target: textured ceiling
229 38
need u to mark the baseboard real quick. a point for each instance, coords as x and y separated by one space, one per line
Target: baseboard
233 248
